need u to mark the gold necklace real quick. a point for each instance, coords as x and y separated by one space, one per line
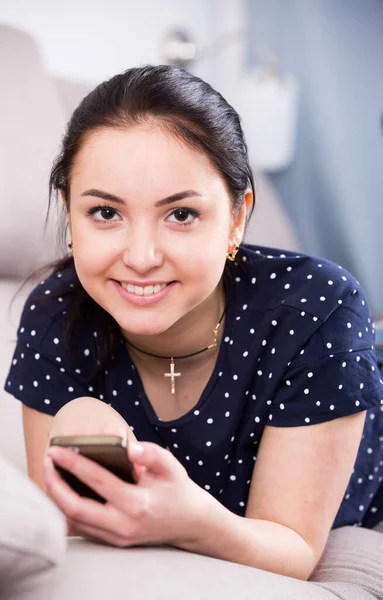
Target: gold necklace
172 374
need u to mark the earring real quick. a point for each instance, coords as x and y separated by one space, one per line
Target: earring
70 246
232 254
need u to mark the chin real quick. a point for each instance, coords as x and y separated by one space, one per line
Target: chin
142 326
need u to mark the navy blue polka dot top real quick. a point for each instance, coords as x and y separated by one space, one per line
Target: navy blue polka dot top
297 350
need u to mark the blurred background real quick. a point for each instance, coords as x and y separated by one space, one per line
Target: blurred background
305 76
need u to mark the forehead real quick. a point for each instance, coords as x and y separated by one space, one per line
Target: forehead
139 157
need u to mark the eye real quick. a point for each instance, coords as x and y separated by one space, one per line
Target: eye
107 213
184 216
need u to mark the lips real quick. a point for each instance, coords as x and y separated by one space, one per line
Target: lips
147 290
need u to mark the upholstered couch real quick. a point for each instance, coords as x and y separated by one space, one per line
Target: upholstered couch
36 560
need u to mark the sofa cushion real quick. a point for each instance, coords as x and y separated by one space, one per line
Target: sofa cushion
32 121
32 530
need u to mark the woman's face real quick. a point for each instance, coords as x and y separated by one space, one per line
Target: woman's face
151 224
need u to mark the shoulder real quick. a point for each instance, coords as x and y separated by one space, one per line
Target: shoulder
44 318
268 278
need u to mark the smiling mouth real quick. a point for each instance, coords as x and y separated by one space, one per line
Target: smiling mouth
148 290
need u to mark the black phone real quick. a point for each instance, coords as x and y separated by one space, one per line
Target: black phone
108 451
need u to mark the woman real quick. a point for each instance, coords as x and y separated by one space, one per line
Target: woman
255 367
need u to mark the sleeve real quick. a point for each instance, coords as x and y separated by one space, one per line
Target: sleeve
43 382
335 374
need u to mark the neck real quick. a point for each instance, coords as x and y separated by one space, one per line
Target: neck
184 337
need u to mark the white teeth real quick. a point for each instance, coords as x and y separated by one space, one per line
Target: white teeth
148 290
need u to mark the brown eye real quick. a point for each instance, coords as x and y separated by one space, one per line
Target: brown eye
181 214
107 213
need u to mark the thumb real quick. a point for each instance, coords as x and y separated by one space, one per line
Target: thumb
156 459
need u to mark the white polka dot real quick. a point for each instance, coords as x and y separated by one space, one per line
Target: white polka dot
349 325
32 307
35 383
309 276
227 339
289 269
329 345
47 377
330 282
307 420
259 373
361 386
235 377
302 352
357 403
196 412
303 300
252 331
244 307
310 374
257 419
322 298
253 280
233 477
264 343
273 276
303 313
47 401
227 414
33 332
207 487
274 323
340 386
340 302
208 443
319 265
282 406
58 359
272 350
227 394
317 403
245 354
344 278
47 292
292 332
332 407
129 382
87 352
358 359
315 318
344 364
288 382
306 391
70 389
287 286
210 421
114 393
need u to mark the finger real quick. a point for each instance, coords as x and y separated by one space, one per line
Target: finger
156 459
95 534
75 507
118 493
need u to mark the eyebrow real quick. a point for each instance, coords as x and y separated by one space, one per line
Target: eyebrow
158 204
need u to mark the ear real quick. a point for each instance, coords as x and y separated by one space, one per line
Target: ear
240 220
64 200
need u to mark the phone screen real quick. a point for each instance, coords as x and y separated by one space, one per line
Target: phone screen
108 451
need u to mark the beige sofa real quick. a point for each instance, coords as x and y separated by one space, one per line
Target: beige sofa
36 561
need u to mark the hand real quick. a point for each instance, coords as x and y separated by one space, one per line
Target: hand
164 507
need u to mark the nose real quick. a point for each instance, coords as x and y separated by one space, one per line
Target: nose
141 252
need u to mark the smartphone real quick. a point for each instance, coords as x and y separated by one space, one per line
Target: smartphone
108 451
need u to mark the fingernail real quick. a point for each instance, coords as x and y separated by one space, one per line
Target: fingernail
135 450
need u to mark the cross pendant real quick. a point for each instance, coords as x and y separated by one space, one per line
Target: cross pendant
172 375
